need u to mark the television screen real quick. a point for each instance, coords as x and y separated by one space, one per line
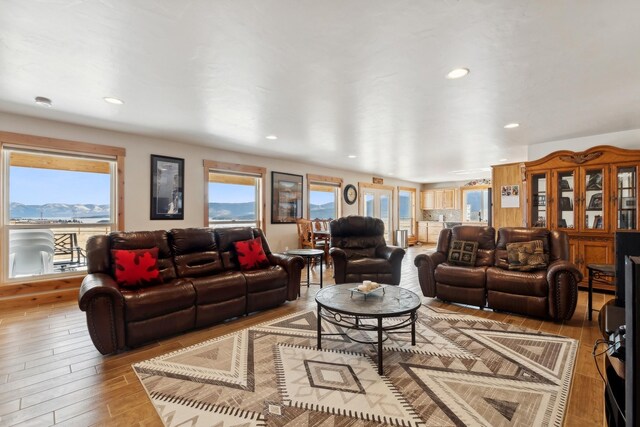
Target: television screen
627 243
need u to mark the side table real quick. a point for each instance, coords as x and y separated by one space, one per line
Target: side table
309 255
598 272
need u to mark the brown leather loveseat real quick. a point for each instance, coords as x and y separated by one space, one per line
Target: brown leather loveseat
360 252
544 284
199 283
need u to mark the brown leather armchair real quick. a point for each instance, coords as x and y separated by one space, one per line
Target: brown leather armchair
457 283
548 293
359 251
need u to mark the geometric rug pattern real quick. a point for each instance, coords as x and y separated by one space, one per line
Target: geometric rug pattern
463 370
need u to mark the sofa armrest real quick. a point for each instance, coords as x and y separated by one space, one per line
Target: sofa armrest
392 254
427 264
339 265
293 265
101 299
563 278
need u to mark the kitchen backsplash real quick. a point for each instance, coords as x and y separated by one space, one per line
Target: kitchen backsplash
449 214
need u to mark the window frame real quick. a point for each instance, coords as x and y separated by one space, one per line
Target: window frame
463 198
236 169
53 146
325 180
413 191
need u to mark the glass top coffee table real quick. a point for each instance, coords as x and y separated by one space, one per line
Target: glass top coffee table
341 306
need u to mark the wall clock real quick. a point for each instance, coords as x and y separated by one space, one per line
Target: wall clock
350 194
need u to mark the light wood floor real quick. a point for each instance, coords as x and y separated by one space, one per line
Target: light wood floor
50 373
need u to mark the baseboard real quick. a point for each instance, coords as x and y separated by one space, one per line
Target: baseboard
39 298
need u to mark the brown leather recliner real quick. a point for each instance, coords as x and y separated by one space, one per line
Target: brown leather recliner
548 293
359 251
457 283
202 284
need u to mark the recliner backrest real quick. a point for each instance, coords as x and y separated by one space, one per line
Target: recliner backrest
555 243
225 237
485 236
358 236
195 252
145 240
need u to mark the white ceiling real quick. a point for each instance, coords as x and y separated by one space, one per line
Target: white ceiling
332 78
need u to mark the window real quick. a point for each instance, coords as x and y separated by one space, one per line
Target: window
324 196
234 195
53 202
407 209
475 204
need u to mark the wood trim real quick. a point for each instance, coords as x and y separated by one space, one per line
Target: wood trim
60 144
222 167
120 193
324 178
32 287
234 167
586 155
51 161
376 186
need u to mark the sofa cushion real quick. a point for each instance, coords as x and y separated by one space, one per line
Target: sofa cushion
145 303
265 279
466 277
368 265
136 267
251 256
533 283
462 253
526 256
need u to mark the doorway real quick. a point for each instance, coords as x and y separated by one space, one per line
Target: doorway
377 201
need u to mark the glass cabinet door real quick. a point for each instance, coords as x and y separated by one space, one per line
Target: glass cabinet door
566 197
626 200
539 200
593 199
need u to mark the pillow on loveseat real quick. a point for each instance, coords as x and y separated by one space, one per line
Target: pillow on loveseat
136 267
527 256
251 256
463 253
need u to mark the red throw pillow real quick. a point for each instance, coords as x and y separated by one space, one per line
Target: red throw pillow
251 256
136 267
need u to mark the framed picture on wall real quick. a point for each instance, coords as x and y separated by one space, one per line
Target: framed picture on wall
167 187
286 198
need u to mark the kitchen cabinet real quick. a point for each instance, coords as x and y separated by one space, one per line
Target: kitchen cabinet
433 231
441 198
422 231
590 195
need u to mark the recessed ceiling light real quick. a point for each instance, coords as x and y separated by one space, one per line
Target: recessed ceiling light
390 173
511 125
457 73
271 137
503 160
112 100
41 100
352 156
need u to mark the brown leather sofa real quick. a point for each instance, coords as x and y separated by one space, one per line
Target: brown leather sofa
359 251
550 292
456 283
202 284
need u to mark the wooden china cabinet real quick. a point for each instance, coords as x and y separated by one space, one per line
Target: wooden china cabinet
590 195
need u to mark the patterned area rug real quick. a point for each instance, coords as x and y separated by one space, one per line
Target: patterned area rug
463 370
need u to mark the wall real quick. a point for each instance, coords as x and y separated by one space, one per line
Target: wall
137 184
623 139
